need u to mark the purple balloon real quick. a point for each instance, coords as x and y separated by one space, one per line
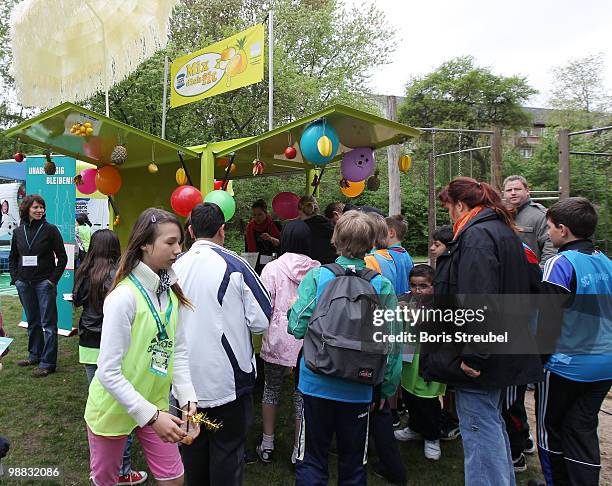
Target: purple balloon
89 181
358 164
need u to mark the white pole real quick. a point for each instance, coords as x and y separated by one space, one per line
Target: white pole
271 70
163 127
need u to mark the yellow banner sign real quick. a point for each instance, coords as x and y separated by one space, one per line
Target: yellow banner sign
224 66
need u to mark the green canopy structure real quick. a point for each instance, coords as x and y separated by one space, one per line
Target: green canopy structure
140 189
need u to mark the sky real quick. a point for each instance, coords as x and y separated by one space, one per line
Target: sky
521 37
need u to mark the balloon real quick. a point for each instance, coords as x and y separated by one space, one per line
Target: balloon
354 189
181 177
89 181
309 143
285 205
224 201
404 163
108 180
358 164
218 185
184 199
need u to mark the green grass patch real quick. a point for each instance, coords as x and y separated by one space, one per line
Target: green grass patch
43 419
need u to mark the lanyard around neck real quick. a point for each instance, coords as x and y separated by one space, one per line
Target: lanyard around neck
25 233
161 327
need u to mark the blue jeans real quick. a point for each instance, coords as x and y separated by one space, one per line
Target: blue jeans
126 465
486 448
38 301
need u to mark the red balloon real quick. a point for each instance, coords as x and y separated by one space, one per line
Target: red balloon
184 199
218 185
285 205
290 152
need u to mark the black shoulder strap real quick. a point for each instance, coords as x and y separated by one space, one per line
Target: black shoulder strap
337 269
367 274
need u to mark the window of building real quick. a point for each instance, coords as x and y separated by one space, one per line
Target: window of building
526 152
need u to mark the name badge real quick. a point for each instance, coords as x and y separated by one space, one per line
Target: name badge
30 261
159 362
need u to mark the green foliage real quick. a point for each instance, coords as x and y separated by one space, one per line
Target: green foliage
461 94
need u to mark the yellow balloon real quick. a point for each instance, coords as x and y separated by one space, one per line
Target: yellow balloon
181 177
324 146
404 163
354 189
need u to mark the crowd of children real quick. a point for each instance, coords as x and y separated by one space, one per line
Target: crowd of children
141 335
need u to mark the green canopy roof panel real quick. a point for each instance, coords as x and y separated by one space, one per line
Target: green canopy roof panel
51 130
355 128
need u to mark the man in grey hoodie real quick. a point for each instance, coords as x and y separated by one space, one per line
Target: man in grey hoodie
530 218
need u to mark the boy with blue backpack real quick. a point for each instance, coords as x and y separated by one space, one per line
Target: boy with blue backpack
578 332
338 313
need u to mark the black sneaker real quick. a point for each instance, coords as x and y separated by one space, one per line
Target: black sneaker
530 446
396 418
250 457
265 455
520 464
450 432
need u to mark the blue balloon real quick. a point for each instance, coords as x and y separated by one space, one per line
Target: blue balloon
310 137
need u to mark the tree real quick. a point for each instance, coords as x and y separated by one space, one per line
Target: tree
579 94
461 94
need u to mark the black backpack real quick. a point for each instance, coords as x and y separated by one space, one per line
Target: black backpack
339 341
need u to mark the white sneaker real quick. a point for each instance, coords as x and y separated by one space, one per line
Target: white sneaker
432 450
406 434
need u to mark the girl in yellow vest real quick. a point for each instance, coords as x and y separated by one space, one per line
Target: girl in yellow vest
142 352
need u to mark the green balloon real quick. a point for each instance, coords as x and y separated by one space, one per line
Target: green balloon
224 201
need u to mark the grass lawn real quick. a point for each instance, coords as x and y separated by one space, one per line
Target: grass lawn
43 419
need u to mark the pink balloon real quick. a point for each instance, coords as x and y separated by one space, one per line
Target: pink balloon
285 205
89 181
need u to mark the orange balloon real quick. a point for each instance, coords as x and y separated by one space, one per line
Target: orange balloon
354 189
108 180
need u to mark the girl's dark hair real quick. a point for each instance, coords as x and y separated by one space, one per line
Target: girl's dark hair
26 204
473 193
82 219
101 259
144 232
261 204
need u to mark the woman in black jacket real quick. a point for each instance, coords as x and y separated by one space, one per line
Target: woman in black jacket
35 246
321 230
485 269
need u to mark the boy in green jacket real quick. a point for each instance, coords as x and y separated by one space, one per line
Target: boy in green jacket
334 404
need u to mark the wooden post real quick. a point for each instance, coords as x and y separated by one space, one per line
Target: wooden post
431 207
564 168
395 195
496 159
